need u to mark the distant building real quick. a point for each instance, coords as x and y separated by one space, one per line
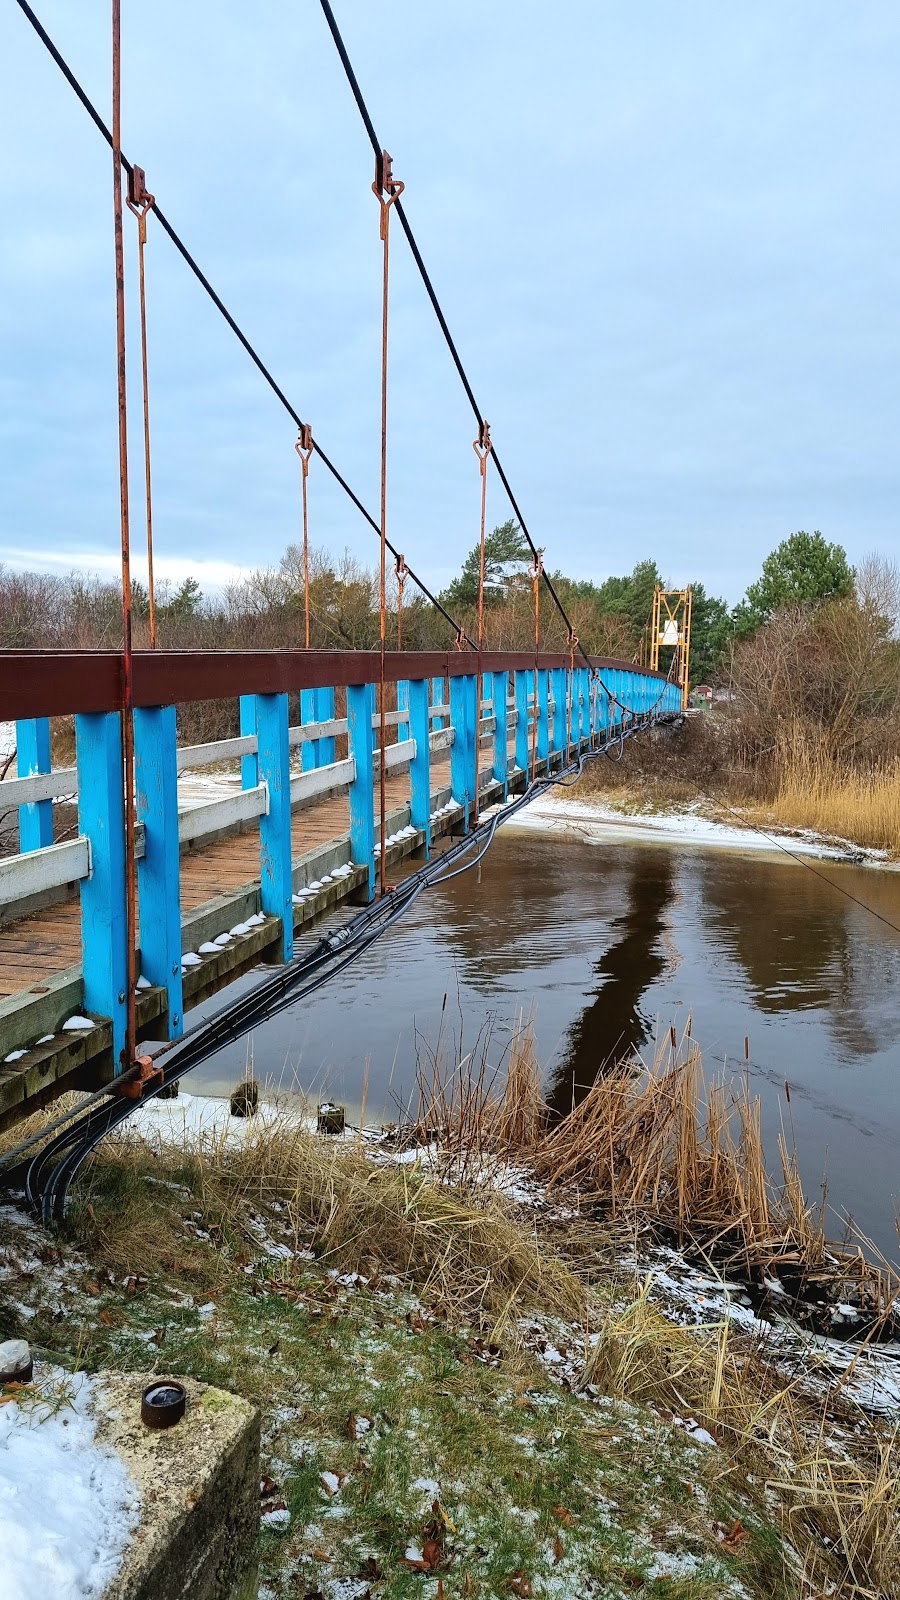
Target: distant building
702 694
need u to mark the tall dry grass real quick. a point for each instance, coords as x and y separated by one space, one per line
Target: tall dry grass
655 1146
864 806
478 1112
840 1508
658 1137
662 1144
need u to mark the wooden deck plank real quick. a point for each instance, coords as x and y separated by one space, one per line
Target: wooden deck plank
49 941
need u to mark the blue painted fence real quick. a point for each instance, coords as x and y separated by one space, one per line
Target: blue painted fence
551 713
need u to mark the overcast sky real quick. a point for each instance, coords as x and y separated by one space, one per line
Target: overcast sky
665 236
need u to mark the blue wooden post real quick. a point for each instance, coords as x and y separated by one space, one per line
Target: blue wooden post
585 703
360 711
522 682
316 705
542 712
32 757
499 696
98 753
275 827
156 785
325 713
437 699
420 766
249 764
463 756
560 710
402 705
309 749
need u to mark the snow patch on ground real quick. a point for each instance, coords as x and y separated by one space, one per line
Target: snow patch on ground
867 1374
189 1118
67 1506
597 823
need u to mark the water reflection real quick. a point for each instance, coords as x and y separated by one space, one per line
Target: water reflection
614 1024
803 945
603 942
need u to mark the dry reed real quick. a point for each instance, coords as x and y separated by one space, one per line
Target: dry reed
661 1144
839 801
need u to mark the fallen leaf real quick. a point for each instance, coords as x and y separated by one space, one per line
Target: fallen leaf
519 1583
557 1549
467 1584
92 1287
431 1553
157 1336
370 1568
267 1486
736 1536
563 1516
438 1511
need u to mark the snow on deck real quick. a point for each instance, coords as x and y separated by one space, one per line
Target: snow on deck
67 1506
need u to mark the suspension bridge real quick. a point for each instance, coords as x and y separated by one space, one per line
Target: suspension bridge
357 778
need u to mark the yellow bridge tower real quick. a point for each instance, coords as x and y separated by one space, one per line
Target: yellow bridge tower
670 628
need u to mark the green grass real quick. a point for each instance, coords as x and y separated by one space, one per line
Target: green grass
538 1490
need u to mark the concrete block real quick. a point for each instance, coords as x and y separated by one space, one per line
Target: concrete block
199 1490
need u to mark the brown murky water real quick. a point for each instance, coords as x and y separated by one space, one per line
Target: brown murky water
604 944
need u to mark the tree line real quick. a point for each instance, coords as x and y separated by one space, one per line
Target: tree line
266 609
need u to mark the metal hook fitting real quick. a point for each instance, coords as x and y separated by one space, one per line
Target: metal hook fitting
304 446
482 445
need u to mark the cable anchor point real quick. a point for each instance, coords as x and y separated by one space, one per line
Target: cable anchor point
305 446
386 187
482 445
139 199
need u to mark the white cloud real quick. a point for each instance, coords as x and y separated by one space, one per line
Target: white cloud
210 574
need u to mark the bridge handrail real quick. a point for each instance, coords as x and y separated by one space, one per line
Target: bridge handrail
48 683
529 715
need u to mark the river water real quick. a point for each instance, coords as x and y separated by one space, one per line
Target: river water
606 943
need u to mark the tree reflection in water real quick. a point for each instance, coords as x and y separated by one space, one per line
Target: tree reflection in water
613 1025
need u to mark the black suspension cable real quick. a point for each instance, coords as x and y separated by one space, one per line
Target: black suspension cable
438 311
217 301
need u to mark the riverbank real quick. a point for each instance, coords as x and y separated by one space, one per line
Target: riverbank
634 817
474 1370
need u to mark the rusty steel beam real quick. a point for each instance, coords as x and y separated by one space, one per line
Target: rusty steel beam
51 683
